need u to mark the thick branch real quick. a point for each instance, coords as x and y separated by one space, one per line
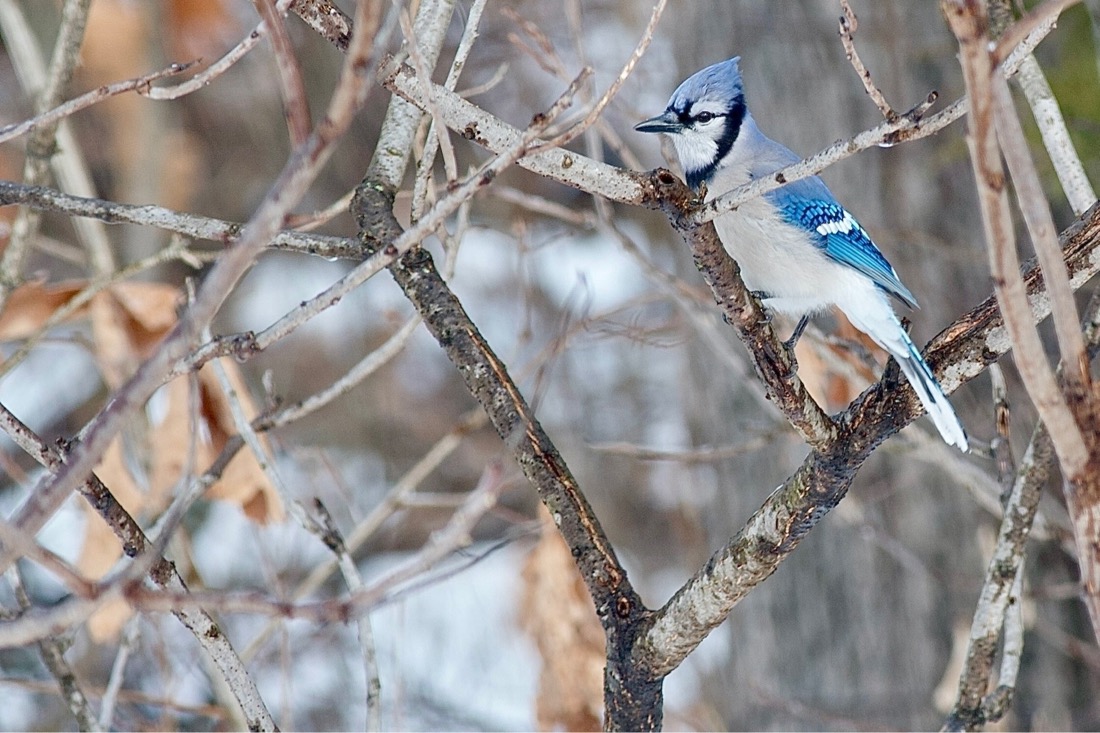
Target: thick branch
958 354
743 311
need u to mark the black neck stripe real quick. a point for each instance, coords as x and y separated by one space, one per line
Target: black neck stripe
732 129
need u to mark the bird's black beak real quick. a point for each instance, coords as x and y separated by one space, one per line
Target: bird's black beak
667 121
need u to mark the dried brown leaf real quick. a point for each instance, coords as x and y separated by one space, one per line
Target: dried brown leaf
557 611
201 28
244 480
32 303
172 437
128 320
152 306
114 349
831 387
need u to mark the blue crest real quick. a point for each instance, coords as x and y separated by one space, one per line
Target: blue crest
719 83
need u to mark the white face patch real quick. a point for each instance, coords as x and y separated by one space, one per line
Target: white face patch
695 149
844 226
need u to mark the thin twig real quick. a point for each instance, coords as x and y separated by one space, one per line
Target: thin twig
427 224
441 544
640 48
219 67
42 142
910 125
131 633
368 365
849 24
1040 19
178 222
88 99
438 131
366 528
331 537
295 103
310 221
177 250
705 454
443 135
29 549
163 573
52 650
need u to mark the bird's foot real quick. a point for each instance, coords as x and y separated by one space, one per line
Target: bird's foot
790 343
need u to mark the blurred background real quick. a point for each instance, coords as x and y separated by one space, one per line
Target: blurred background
649 396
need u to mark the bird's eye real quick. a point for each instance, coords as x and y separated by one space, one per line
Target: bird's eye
705 117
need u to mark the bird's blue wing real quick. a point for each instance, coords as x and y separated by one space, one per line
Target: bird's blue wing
812 208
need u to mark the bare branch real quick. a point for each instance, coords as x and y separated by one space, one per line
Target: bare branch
137 84
330 535
406 240
702 454
442 543
1000 591
188 225
628 68
486 130
366 528
49 88
1038 20
1044 235
130 636
326 18
433 140
1044 107
299 172
967 21
161 572
295 104
371 363
52 650
849 24
998 610
1052 127
212 72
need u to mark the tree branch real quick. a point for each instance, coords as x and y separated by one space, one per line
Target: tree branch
968 22
162 572
296 176
188 225
958 354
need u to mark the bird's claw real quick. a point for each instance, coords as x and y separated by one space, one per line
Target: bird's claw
790 343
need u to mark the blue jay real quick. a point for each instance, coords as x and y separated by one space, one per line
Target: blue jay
798 248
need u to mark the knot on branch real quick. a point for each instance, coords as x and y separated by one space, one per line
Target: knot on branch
372 207
663 190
